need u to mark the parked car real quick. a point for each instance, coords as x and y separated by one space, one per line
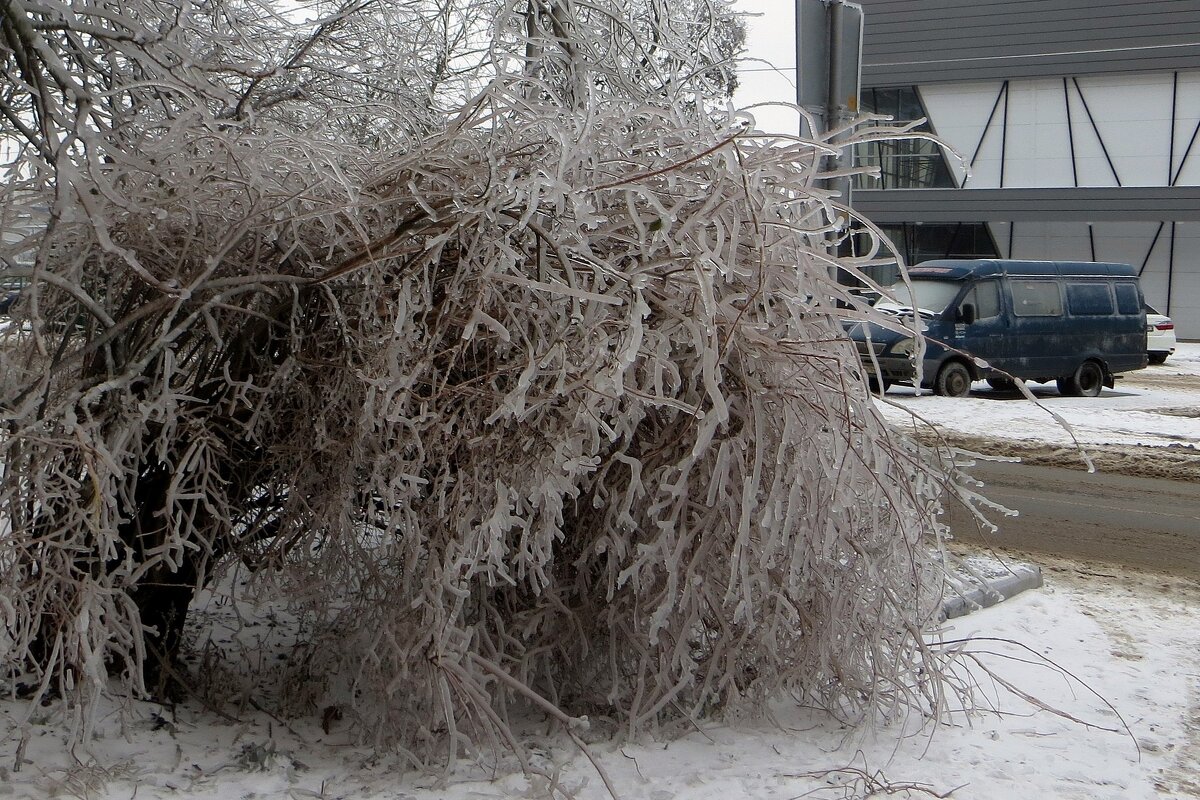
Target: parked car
1076 323
1160 336
10 295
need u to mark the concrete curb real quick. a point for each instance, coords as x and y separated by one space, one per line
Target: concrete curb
1022 577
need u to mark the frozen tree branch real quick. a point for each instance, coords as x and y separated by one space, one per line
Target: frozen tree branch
513 364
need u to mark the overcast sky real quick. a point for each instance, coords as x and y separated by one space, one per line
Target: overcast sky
770 41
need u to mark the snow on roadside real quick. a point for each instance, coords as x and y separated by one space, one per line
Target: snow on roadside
1156 407
1148 426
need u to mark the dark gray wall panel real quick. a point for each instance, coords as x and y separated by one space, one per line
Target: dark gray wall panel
921 41
1154 204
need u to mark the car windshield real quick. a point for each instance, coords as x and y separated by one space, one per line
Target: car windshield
932 297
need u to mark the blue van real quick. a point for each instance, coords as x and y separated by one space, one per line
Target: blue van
1077 323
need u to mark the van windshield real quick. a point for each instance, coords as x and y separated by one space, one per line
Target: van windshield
932 297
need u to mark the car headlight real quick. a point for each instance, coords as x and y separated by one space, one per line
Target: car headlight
905 347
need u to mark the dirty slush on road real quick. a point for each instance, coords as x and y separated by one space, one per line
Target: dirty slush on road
1176 462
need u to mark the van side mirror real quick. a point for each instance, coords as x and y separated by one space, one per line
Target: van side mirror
966 314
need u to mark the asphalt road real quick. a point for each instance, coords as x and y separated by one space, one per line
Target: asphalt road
1139 522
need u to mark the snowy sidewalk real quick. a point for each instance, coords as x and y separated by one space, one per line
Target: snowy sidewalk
1090 638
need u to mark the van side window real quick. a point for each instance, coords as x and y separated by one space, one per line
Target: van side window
1127 299
1089 299
985 296
1036 299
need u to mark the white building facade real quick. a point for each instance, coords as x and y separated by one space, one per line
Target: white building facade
1076 125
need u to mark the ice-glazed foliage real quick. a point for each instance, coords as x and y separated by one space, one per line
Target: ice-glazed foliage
541 390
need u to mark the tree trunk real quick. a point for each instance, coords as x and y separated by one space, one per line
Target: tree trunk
162 595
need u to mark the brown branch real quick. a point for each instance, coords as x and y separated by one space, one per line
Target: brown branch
669 168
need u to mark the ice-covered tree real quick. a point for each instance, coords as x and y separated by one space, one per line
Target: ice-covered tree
481 334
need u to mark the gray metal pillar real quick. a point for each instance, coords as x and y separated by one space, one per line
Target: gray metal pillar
828 69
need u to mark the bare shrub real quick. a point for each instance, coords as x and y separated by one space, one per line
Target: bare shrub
541 397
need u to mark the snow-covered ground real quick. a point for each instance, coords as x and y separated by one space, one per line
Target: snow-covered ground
1114 658
1096 691
1157 406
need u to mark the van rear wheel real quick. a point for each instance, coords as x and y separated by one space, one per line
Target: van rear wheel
953 380
1088 381
1001 383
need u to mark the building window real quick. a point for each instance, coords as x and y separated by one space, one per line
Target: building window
925 242
916 243
904 164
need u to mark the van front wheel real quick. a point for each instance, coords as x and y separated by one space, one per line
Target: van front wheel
953 380
1088 381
